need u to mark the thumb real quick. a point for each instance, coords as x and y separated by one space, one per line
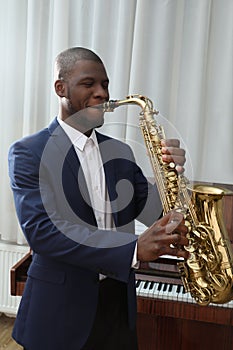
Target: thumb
171 221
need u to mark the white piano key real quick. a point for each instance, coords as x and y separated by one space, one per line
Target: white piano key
164 291
184 295
139 285
152 291
150 288
180 294
144 289
189 298
230 304
172 295
159 290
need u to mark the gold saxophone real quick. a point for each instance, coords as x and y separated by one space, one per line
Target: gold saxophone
208 273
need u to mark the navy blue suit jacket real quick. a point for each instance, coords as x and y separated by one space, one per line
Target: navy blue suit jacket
54 211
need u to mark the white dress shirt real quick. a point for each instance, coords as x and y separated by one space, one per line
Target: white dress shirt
87 150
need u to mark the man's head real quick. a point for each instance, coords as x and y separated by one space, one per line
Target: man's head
81 81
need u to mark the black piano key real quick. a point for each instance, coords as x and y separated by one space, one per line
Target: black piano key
146 284
137 284
165 287
159 287
151 285
170 287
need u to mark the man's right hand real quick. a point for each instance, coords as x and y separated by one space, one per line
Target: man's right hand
165 236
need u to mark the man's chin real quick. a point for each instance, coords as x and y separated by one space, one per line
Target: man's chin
96 122
99 125
95 117
87 119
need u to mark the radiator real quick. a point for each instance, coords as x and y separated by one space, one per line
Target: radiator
9 255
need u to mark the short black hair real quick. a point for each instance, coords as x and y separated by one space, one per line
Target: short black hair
66 60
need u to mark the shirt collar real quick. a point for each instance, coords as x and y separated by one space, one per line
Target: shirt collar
77 138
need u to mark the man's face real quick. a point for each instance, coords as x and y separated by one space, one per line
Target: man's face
86 86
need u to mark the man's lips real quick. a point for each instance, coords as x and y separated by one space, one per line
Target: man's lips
98 106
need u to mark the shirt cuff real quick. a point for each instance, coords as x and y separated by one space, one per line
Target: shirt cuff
135 262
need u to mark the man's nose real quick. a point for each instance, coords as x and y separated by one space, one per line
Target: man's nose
101 92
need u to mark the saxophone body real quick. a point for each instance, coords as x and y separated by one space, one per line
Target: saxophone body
208 272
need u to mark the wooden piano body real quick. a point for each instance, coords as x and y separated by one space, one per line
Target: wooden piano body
168 320
18 274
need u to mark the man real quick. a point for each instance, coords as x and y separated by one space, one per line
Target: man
77 193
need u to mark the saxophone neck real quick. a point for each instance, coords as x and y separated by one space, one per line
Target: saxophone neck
144 102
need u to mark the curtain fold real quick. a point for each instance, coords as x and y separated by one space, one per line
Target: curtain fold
177 52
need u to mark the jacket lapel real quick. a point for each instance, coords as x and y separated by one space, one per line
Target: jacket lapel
109 169
64 145
71 163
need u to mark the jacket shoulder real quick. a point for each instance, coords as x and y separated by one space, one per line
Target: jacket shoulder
35 141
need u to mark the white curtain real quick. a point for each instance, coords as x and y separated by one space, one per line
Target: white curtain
177 52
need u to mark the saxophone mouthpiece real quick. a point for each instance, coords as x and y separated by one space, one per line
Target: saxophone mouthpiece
110 105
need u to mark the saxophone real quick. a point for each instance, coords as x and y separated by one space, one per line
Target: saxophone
208 272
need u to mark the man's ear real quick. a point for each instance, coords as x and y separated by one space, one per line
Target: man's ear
60 88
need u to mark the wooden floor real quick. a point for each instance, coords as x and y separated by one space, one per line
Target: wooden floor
6 341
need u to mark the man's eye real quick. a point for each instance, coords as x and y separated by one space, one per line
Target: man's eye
105 86
88 84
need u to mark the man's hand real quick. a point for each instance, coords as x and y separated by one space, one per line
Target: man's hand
165 236
171 152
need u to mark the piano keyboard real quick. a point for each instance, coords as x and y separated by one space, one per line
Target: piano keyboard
168 291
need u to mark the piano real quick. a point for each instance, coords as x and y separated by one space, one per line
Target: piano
167 317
